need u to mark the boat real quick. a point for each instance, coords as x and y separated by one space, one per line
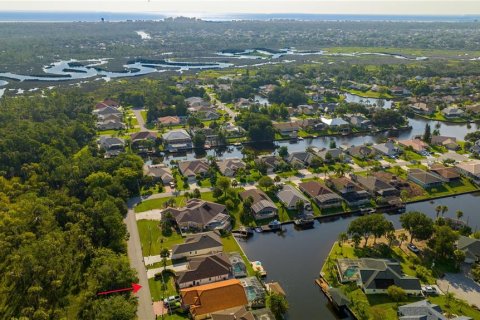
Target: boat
272 226
243 232
364 211
304 222
257 267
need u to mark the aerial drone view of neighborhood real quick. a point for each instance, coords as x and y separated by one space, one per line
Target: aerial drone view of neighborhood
186 168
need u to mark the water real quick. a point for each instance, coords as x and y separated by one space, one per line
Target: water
353 98
295 258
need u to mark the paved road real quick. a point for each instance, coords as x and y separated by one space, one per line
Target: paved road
222 106
461 285
145 308
141 122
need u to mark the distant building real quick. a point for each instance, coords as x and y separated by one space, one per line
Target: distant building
177 140
111 145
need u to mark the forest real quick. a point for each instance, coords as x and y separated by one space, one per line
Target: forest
62 238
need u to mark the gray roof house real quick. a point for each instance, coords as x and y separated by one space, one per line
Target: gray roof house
113 146
159 171
199 215
193 168
289 196
471 247
375 185
424 310
300 158
424 178
229 167
323 196
263 207
176 140
361 152
197 245
204 270
453 112
374 276
335 154
350 191
388 148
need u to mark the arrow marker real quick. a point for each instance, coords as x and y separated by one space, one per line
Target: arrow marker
135 287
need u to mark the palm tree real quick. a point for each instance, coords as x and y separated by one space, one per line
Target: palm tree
444 210
438 209
342 238
401 238
459 214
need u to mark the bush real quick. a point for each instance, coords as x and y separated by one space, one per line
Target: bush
422 273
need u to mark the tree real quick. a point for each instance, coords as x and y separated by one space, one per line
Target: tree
217 192
443 242
265 182
438 209
418 224
199 140
342 237
196 193
356 238
223 183
459 257
459 214
396 293
283 151
427 135
299 205
374 224
277 304
401 238
449 296
164 254
444 210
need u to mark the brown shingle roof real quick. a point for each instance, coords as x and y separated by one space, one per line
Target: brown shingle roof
213 297
205 267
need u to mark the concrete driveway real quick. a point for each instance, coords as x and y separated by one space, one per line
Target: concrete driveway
462 286
176 268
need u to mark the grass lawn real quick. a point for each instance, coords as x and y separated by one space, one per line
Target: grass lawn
231 245
158 203
159 291
144 115
369 94
408 155
455 307
450 188
151 236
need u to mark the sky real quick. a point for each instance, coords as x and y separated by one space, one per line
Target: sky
199 8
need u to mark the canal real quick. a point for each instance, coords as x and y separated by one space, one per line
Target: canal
294 258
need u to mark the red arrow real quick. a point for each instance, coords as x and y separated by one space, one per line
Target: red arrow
135 287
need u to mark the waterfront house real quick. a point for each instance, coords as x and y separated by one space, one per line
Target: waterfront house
321 194
388 148
143 140
375 276
470 169
417 145
350 191
425 179
423 108
255 292
424 310
300 159
193 168
447 173
197 245
335 122
376 186
330 155
243 103
448 142
176 140
112 146
287 128
453 112
237 313
239 268
361 152
159 172
229 167
204 300
169 120
204 269
471 248
200 215
359 121
270 162
262 207
475 109
290 196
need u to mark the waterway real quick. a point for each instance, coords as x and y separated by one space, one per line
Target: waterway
294 258
352 98
418 126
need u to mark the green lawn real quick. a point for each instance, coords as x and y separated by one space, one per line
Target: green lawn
369 94
451 188
144 115
158 203
151 236
159 291
411 155
231 245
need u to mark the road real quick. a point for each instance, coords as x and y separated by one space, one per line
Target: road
145 308
141 122
222 106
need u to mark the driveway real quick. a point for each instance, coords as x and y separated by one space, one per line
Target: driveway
462 286
141 122
176 268
155 214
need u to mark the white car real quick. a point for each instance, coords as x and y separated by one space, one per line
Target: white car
429 290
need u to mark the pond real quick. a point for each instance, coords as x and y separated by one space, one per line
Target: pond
294 258
353 98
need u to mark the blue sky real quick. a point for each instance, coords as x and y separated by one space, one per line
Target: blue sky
201 8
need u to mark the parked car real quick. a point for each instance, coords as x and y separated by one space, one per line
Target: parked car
171 300
429 290
413 248
172 185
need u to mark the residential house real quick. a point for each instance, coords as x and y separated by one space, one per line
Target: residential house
290 196
169 121
204 300
417 145
287 128
334 122
448 142
159 172
142 136
475 109
196 102
110 123
423 108
243 103
239 267
209 114
193 168
271 163
425 179
388 149
329 107
262 207
470 169
306 109
300 159
471 248
111 145
176 140
453 112
449 174
329 155
205 269
376 186
200 215
233 130
424 310
107 103
237 313
398 91
359 121
103 112
375 276
350 191
255 291
198 244
229 167
322 195
361 152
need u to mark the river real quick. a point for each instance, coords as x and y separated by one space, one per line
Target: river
295 258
